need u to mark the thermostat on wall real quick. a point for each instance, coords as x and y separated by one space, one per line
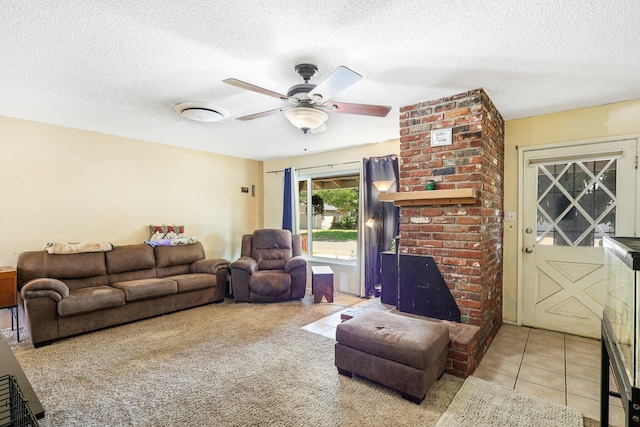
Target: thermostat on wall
440 137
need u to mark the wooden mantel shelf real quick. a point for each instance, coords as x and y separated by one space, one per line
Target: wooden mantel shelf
462 196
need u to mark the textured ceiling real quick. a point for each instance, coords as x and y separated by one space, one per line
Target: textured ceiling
120 67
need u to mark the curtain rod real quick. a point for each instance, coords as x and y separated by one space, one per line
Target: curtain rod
320 166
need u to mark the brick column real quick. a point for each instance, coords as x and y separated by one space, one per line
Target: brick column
465 240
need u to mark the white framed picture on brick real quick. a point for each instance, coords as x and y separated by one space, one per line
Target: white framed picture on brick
440 137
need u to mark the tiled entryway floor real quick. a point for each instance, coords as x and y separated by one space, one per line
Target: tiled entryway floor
562 368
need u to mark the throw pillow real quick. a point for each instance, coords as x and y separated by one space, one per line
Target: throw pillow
157 232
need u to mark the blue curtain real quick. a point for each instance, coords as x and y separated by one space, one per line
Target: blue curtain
287 211
386 216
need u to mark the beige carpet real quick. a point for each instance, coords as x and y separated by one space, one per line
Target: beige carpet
480 403
219 365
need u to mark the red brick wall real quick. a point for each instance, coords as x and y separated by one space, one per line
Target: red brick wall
464 240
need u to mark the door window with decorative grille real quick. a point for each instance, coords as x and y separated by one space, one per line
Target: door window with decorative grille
576 202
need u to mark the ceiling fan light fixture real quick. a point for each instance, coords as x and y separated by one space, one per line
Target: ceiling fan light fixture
201 112
305 118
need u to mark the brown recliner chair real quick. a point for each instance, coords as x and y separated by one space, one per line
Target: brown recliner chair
271 267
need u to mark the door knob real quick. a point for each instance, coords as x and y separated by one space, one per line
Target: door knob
528 250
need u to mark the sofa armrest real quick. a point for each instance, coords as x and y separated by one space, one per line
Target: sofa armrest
295 262
211 266
44 287
245 263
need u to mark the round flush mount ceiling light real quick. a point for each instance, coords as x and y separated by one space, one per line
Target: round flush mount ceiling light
201 112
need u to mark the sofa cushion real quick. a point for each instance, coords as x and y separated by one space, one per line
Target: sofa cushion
135 290
74 266
193 282
168 256
130 258
90 299
270 282
75 270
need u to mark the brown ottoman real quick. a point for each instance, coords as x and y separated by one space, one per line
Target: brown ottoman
403 353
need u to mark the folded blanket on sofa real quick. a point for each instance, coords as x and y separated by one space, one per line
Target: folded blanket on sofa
76 248
184 241
171 242
158 242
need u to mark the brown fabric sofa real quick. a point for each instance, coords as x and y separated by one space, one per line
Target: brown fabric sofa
271 267
65 295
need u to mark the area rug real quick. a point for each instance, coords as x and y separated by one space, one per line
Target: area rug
240 364
480 403
229 364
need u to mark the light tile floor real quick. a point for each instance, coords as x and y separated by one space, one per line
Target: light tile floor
559 367
562 368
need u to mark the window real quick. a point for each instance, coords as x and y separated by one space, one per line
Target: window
576 203
329 215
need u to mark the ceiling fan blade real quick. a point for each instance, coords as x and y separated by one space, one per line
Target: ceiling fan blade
362 109
263 114
341 78
249 86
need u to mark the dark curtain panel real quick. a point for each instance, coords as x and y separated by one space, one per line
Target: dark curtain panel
385 216
287 208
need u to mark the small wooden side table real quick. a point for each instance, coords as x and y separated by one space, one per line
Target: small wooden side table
321 283
9 295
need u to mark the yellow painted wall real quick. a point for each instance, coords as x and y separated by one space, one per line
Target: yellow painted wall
604 121
344 275
66 185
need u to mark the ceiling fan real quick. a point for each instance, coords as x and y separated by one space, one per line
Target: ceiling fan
311 102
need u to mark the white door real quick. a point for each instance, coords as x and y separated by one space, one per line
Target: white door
571 197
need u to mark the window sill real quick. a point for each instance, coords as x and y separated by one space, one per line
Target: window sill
334 261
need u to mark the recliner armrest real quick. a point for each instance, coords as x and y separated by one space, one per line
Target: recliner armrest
246 263
44 287
211 266
295 262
